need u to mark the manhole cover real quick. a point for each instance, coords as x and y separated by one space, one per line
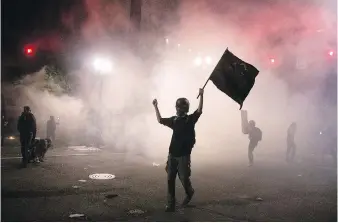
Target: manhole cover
101 176
136 211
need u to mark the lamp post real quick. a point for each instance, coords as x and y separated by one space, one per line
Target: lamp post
102 67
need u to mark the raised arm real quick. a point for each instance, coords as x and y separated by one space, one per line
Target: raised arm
158 114
200 105
196 115
164 121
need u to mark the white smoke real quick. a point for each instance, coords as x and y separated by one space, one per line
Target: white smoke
204 29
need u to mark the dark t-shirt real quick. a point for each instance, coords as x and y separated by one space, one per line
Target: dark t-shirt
27 124
183 138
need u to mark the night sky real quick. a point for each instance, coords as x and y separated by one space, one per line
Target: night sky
25 21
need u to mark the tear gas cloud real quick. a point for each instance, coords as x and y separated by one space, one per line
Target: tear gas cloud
253 30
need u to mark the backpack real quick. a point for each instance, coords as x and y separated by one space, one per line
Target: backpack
260 134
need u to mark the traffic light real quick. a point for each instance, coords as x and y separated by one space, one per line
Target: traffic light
29 50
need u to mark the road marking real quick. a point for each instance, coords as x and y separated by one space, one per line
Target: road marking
19 157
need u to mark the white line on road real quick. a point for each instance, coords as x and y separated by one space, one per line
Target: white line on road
19 157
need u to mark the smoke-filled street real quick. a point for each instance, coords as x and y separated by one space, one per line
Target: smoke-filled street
271 191
171 110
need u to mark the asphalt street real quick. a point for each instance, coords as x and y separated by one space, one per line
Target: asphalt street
60 187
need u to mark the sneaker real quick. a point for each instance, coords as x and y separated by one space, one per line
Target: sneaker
169 208
188 198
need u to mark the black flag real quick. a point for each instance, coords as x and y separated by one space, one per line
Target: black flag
234 77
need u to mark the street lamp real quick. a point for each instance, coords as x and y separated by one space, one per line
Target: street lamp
200 62
102 65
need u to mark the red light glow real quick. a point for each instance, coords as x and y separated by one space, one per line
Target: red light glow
29 51
331 53
272 60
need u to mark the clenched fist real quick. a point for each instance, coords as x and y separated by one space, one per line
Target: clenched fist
201 91
155 102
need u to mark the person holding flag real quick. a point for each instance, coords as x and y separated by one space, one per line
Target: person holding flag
233 77
182 143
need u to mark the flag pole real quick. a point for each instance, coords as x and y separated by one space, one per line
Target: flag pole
207 81
204 85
